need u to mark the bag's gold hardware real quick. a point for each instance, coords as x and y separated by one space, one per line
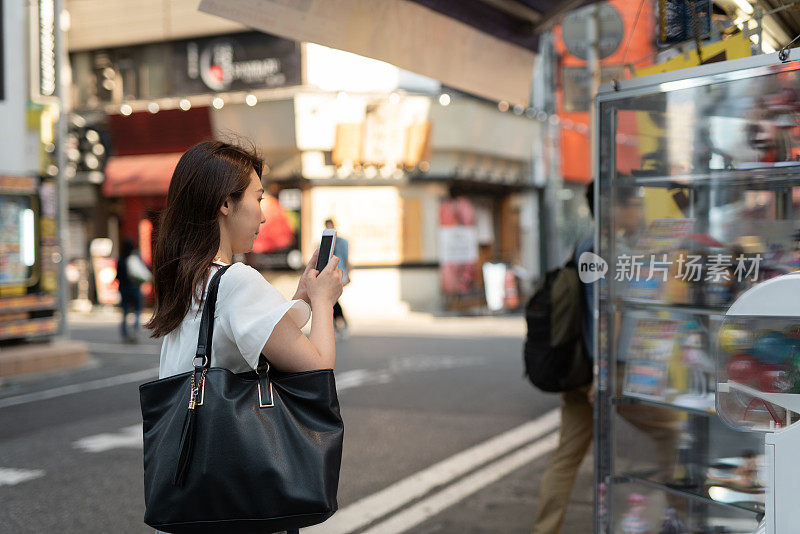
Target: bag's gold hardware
195 389
261 403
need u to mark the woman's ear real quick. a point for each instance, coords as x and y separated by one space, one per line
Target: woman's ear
225 208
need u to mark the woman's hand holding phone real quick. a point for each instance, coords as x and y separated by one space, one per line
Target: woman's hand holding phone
302 285
325 288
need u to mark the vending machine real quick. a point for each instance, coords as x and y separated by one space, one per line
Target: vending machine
28 258
758 391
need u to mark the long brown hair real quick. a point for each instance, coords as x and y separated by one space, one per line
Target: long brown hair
188 236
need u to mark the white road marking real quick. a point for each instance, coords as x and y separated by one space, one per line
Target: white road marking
115 348
344 380
422 362
11 477
128 437
79 388
382 503
429 507
361 377
132 436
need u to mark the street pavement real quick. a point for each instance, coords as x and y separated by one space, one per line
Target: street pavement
442 433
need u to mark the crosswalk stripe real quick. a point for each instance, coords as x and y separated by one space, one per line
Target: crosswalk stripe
115 348
101 383
380 504
361 377
344 380
11 477
128 437
431 506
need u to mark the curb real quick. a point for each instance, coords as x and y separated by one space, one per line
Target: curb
40 357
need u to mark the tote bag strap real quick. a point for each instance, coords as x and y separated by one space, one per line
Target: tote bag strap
207 322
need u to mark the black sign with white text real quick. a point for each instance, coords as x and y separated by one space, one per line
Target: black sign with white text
237 62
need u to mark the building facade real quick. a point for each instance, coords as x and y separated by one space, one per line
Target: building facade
426 183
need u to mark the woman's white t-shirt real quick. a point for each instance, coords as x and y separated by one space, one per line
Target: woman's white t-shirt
248 308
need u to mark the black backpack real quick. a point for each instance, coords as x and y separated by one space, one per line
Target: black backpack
554 354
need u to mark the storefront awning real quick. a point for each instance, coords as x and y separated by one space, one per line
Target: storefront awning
481 47
141 175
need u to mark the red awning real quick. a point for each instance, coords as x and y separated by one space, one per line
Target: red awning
143 175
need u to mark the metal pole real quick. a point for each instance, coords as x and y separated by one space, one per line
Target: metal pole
595 73
760 29
62 92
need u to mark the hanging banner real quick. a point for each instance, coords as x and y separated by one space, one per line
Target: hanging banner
458 247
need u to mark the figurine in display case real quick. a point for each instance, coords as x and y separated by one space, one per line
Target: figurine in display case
635 521
700 366
672 523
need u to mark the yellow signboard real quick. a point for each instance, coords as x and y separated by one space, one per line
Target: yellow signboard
733 47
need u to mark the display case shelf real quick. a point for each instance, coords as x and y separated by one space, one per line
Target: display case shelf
672 308
782 175
697 493
668 403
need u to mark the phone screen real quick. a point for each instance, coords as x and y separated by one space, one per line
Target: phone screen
324 252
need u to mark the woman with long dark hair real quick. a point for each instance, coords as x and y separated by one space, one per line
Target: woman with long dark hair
213 212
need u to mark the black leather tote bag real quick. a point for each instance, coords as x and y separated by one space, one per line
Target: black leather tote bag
235 453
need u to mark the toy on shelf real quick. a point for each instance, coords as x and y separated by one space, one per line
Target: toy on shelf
672 523
635 521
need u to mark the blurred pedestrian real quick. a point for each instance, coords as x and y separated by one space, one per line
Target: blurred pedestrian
576 420
341 249
131 274
214 212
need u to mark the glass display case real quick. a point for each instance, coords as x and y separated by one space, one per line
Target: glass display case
699 200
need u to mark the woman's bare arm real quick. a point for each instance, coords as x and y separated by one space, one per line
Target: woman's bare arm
288 348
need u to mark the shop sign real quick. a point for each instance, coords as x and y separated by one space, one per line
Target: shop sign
175 69
105 271
47 48
235 63
458 244
43 50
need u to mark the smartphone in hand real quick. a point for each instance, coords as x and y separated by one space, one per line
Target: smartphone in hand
326 249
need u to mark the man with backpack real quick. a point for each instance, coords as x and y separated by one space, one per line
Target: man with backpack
570 341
